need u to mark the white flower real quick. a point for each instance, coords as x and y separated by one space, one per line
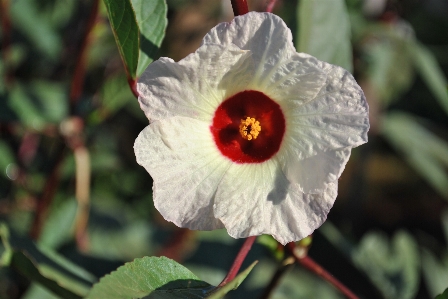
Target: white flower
248 134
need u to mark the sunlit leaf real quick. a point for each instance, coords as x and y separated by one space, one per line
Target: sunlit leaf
126 33
324 31
150 276
427 153
152 21
431 72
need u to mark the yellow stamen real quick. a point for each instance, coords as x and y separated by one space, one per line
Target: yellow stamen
250 128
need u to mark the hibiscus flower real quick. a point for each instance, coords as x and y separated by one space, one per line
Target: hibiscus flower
247 134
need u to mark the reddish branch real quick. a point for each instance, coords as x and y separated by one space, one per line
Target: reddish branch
239 7
239 259
314 267
80 67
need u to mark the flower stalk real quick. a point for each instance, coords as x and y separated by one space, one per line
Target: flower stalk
239 7
239 259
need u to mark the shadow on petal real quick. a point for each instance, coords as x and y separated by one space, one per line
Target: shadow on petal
281 186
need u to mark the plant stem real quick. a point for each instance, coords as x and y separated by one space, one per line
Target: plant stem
270 6
314 267
247 245
239 7
133 85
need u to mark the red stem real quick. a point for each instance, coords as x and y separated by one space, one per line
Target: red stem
270 6
239 259
133 85
239 7
80 67
314 267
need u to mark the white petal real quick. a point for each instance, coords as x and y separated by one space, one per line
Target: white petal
298 78
195 86
264 34
315 173
254 199
180 155
335 119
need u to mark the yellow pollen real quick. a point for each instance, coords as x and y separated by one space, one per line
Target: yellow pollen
250 128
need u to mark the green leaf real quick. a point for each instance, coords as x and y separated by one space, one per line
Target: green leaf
435 272
157 277
427 153
125 29
431 72
391 68
444 295
7 159
233 284
44 266
394 266
114 243
152 21
58 227
35 291
116 93
38 103
27 17
324 31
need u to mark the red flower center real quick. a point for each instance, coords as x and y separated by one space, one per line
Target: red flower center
228 129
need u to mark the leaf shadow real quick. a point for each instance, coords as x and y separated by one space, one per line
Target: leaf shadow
182 288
